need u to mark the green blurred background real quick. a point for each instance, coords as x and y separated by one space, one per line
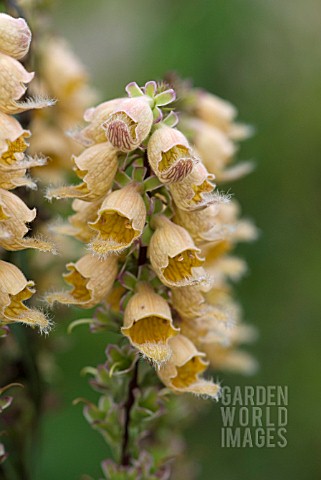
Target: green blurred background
265 57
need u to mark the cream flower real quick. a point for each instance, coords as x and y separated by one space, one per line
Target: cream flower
14 290
195 191
12 140
91 279
61 70
96 118
121 219
231 359
173 255
170 155
202 225
15 36
182 373
78 225
96 166
200 321
148 324
13 222
14 79
214 147
214 110
129 124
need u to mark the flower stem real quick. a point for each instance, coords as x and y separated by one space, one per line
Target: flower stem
125 456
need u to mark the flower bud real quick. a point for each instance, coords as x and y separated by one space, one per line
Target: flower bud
129 124
15 36
96 166
14 290
148 324
170 155
91 279
182 373
173 255
195 191
121 219
15 216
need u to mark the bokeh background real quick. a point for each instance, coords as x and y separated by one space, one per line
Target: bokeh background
265 57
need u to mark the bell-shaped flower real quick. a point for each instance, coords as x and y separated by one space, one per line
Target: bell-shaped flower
195 191
96 166
78 225
148 324
15 215
200 321
12 141
14 290
15 36
96 117
14 79
174 256
214 147
230 357
170 154
182 373
201 224
129 124
214 110
91 279
121 219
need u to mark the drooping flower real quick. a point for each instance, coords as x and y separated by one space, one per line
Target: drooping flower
182 373
91 279
200 321
96 166
230 357
14 80
15 216
148 324
78 225
129 124
170 154
214 147
121 219
214 110
174 256
13 163
202 225
12 140
15 36
96 117
14 290
195 191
